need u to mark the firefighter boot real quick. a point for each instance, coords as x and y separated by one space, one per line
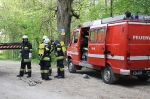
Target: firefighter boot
46 76
42 76
50 71
61 75
58 71
20 74
29 74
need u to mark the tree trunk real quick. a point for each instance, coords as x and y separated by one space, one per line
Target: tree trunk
105 6
64 14
111 8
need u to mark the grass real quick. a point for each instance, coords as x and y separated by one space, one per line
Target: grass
2 57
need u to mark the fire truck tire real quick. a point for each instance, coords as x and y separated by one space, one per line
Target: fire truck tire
108 76
71 66
143 78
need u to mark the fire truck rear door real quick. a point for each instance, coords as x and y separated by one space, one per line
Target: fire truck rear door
148 30
139 45
96 46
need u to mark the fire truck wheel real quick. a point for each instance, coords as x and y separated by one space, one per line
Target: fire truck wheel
108 76
71 66
143 78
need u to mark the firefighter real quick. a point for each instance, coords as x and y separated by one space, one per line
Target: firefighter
50 69
26 55
51 49
45 61
128 16
59 57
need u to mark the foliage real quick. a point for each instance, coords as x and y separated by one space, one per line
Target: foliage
36 18
30 17
135 6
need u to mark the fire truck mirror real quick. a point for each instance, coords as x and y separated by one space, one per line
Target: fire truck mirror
112 55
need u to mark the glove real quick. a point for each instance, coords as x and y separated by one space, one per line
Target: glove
30 55
19 55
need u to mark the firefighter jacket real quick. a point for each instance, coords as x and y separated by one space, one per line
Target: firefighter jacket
47 53
51 47
26 51
58 50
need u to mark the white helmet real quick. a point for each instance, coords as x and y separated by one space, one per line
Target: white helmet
45 37
46 41
24 37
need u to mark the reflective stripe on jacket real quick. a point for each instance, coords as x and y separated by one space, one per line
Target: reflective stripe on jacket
59 57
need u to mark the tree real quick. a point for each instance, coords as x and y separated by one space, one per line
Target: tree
64 14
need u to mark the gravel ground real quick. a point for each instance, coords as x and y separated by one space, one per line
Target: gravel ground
74 86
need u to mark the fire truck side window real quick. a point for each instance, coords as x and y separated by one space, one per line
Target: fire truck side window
75 37
93 35
101 35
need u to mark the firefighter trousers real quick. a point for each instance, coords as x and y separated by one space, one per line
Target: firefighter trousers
22 68
44 69
60 68
50 70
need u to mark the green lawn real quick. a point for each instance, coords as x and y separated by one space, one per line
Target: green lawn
2 57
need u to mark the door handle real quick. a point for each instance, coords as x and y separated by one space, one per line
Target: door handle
102 48
112 55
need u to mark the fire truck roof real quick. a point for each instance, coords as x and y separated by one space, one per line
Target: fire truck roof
144 18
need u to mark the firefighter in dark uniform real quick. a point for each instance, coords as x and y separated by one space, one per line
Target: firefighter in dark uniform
50 69
45 61
51 50
26 55
59 57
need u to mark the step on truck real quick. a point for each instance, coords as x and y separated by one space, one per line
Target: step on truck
115 46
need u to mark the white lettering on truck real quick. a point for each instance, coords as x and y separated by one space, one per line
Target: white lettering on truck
141 37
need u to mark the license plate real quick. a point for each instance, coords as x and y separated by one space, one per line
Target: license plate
137 72
148 73
140 72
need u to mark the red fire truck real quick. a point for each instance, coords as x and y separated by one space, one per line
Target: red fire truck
112 45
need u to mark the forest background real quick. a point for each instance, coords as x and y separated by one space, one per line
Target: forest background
36 18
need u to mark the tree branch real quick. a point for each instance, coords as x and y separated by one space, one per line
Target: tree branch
75 14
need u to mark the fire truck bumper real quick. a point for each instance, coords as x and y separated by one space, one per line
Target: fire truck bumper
124 72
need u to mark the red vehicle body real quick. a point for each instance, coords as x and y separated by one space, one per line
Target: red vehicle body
115 48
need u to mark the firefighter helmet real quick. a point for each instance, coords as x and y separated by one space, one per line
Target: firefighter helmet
45 37
25 37
46 41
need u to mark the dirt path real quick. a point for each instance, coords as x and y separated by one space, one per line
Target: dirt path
74 86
